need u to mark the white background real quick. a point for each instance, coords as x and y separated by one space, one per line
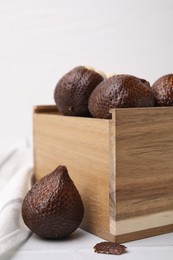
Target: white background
40 40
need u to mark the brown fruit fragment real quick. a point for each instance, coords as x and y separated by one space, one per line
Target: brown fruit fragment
109 248
72 92
163 90
53 207
120 91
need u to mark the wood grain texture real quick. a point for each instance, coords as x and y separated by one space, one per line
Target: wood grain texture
123 167
82 144
144 233
144 168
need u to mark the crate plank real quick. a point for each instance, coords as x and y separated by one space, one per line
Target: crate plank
82 144
143 169
122 167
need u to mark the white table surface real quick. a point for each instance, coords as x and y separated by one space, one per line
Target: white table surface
80 246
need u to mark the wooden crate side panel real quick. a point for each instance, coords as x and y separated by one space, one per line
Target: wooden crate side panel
126 237
144 169
82 144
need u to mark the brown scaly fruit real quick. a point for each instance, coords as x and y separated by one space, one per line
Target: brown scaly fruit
72 91
109 248
53 207
120 91
163 90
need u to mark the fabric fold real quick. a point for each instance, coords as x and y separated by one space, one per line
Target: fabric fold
16 174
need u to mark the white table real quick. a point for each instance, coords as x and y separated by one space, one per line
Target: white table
80 246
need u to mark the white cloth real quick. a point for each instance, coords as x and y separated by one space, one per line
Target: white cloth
15 180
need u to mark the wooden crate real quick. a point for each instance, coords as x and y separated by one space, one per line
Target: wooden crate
123 167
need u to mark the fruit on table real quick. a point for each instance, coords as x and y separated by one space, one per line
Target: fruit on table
53 207
163 90
120 91
109 248
73 90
